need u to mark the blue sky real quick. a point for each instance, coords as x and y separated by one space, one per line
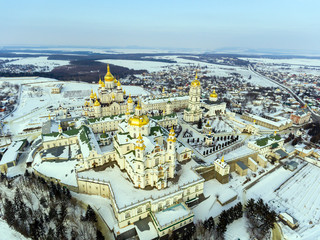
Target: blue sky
280 24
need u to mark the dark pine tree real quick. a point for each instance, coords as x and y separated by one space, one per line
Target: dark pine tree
90 214
99 235
9 212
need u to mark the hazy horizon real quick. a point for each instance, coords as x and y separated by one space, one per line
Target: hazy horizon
203 25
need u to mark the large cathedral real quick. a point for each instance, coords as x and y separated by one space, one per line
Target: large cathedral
142 151
110 99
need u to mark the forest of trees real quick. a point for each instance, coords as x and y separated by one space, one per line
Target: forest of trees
260 219
313 131
41 210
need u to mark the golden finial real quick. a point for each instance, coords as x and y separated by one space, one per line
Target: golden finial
222 159
91 95
130 99
196 77
163 90
108 68
124 92
113 96
49 117
95 95
96 103
118 83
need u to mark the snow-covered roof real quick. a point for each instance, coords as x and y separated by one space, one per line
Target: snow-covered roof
289 218
282 121
226 195
125 194
172 214
11 154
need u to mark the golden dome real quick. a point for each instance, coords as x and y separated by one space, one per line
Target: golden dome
138 121
113 96
118 83
102 84
60 128
100 81
96 103
214 94
108 77
127 112
130 99
91 95
95 95
115 80
124 92
195 82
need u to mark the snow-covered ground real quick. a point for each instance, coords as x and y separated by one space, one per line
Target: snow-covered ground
35 98
299 196
294 61
150 66
39 62
65 171
8 233
237 230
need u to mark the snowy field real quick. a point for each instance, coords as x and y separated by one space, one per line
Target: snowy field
7 233
39 62
137 65
299 196
237 230
290 61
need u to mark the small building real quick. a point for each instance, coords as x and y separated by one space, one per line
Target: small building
301 116
11 155
291 165
267 144
252 164
241 168
289 220
222 170
172 218
280 154
262 161
56 89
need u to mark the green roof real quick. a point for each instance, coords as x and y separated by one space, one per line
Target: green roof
155 129
264 141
